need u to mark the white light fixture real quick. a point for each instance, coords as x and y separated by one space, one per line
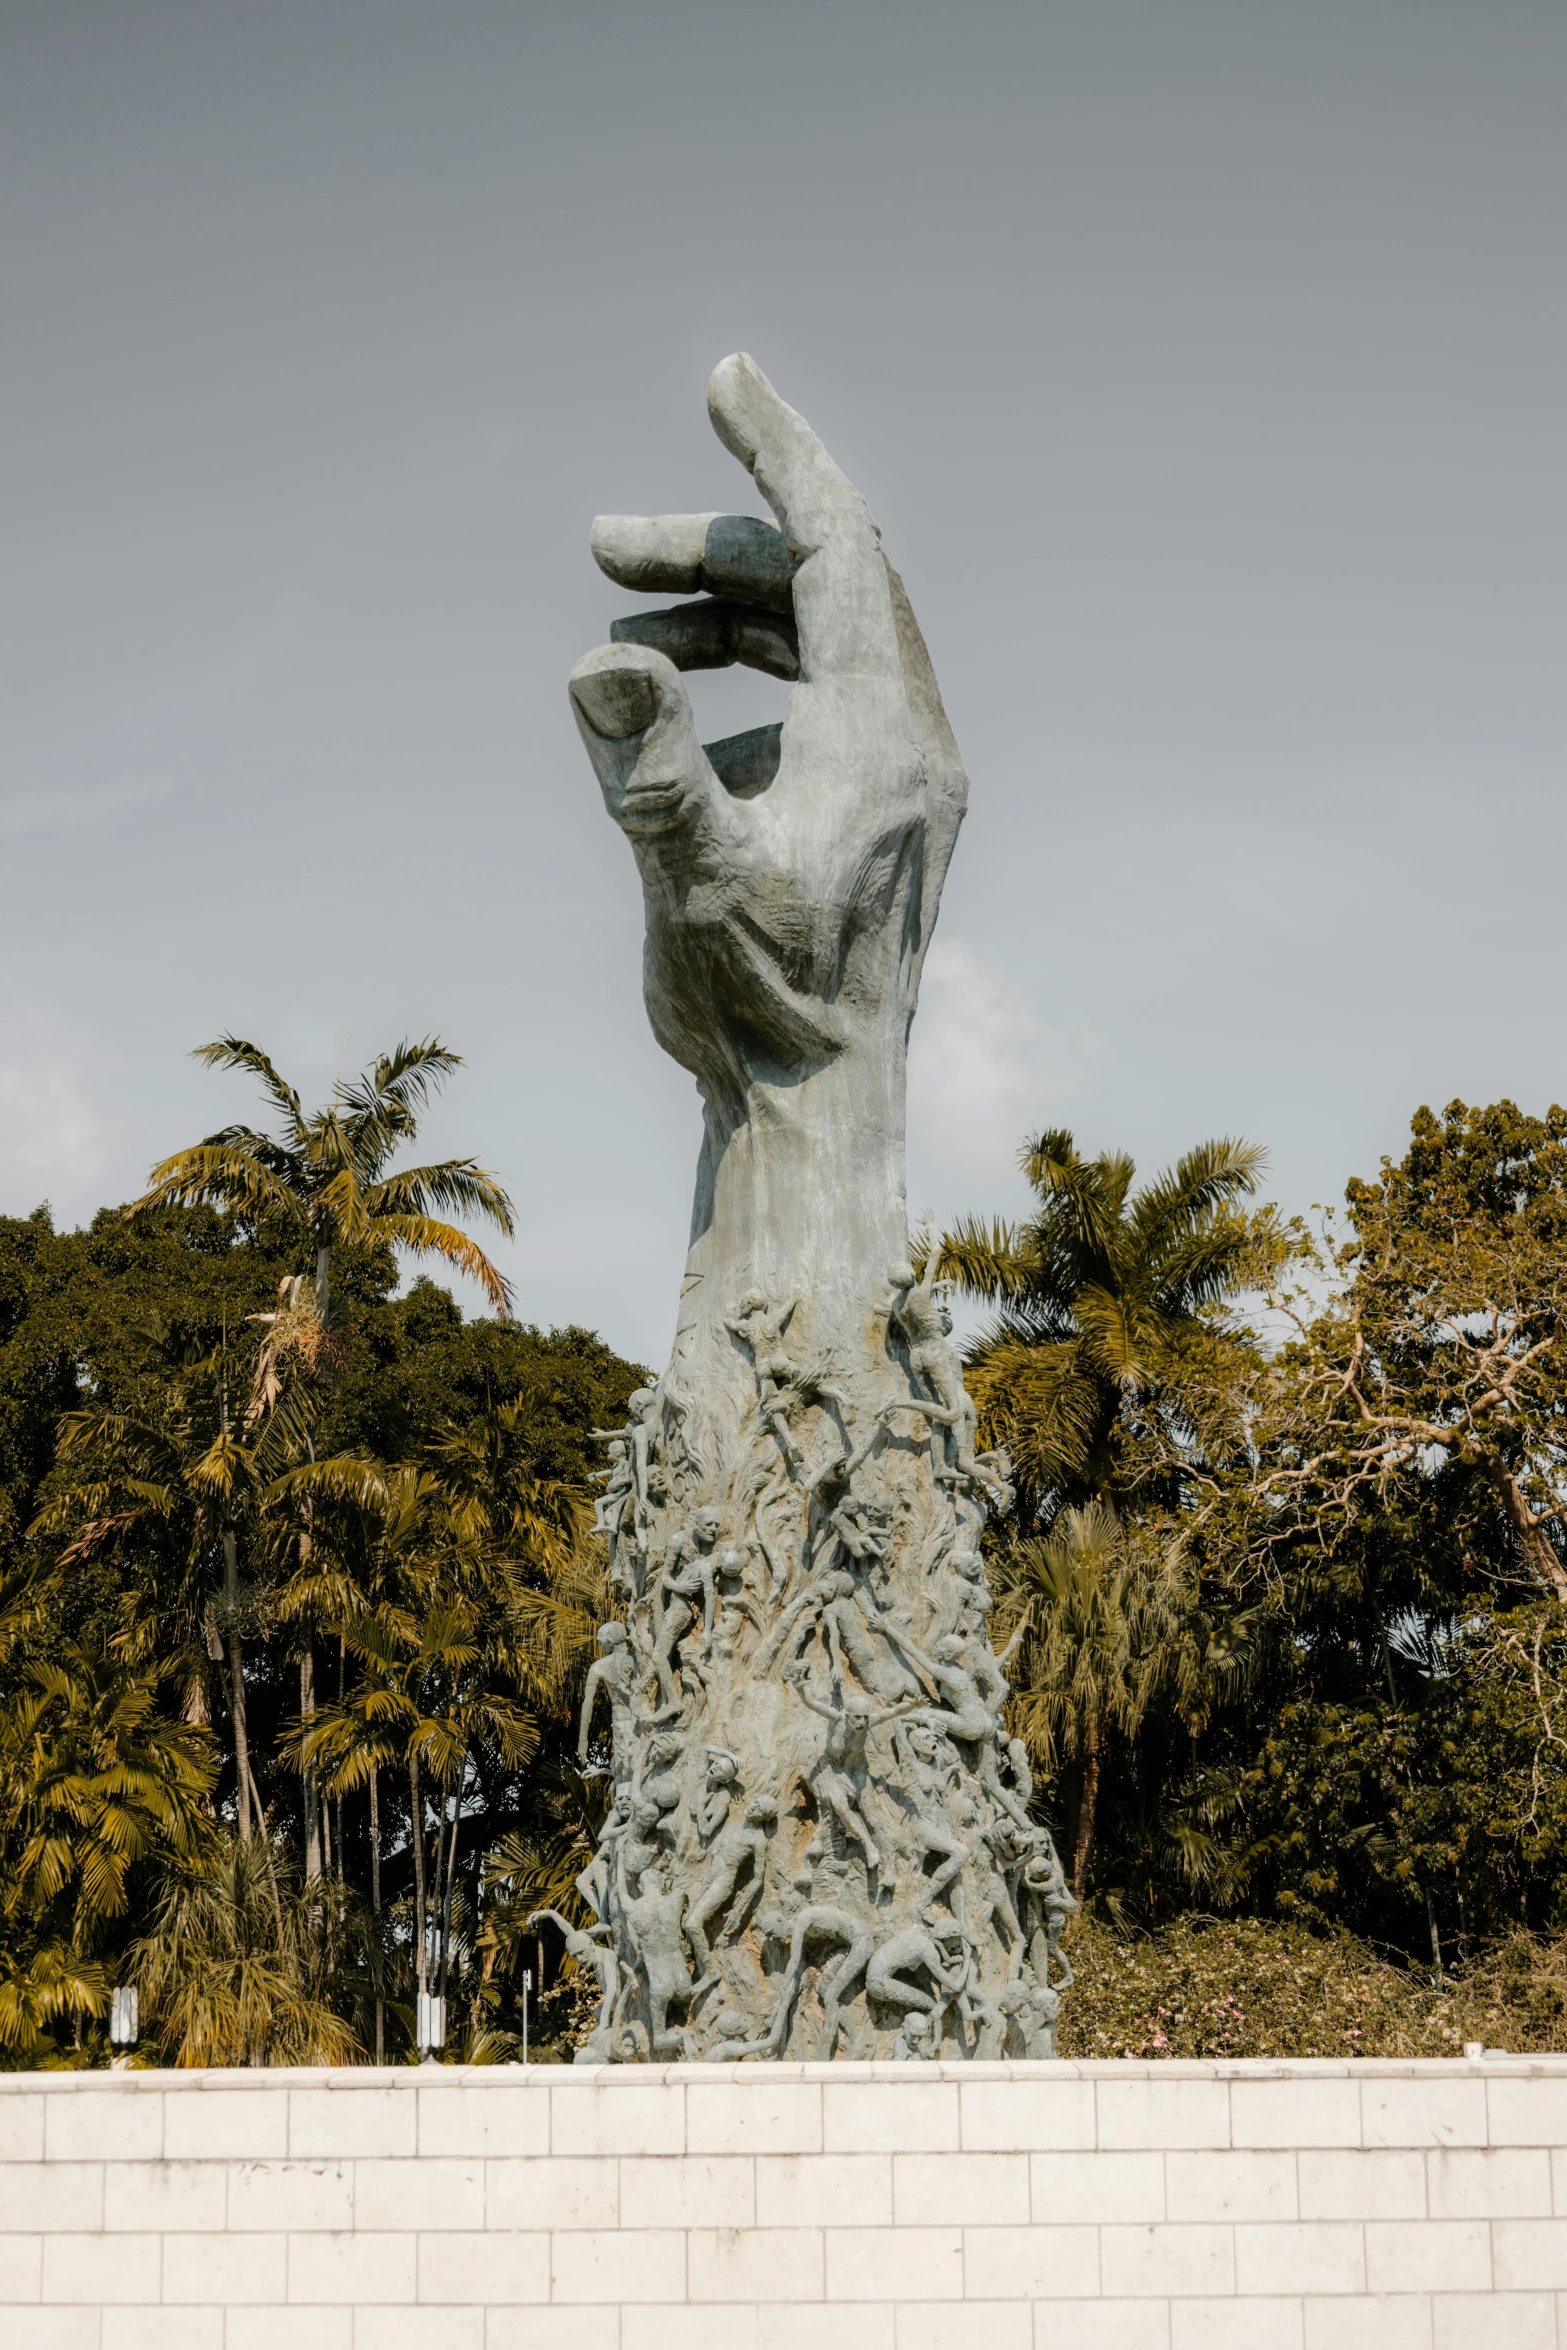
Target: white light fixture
430 2021
124 2016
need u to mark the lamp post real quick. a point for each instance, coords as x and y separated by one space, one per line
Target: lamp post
124 2017
430 2024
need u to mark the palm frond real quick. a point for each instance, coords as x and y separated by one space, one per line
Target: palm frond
424 1236
453 1184
994 1263
234 1052
1206 1179
217 1175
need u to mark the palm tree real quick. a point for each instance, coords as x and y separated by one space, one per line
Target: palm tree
172 1484
236 1969
95 1783
1097 1295
485 1472
1114 1636
42 1987
323 1177
413 1596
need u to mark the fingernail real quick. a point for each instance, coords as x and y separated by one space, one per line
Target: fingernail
616 702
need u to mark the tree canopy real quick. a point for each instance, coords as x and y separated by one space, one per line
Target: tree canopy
298 1588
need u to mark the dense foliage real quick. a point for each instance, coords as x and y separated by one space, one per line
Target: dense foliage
298 1587
295 1592
1291 1595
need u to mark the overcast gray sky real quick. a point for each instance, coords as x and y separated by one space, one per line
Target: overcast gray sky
1205 365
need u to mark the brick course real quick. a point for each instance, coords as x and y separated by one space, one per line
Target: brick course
843 2207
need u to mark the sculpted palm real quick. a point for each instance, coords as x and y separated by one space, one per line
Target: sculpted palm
1096 1293
323 1176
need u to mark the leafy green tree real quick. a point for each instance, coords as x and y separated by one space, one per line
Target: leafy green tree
193 1493
173 1487
100 1317
1435 1370
1400 1516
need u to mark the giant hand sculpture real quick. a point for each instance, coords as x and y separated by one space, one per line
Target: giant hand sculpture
805 1468
791 876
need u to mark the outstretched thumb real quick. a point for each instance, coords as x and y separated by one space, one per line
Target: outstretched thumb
634 715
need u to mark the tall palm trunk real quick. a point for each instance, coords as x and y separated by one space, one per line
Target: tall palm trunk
337 1806
307 1701
417 1808
1088 1806
307 1708
241 1735
375 1906
236 1677
451 1873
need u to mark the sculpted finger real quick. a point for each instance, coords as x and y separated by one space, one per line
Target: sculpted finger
745 764
735 555
842 604
714 634
634 716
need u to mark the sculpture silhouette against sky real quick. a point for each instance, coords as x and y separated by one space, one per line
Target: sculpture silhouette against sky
818 1841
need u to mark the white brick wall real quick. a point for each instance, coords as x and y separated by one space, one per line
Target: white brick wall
790 2207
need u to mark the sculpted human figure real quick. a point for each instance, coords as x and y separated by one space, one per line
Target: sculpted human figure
636 1439
760 1329
659 1783
736 1850
919 1948
927 1327
1003 1490
720 1785
597 1881
928 1827
995 1848
655 1918
818 1594
688 1574
835 1602
1037 2018
1013 1800
730 2043
711 1673
801 1385
638 1847
970 1718
839 1778
615 1672
1045 1887
609 1509
824 1919
782 1383
971 1592
861 1525
988 1669
587 1950
912 2045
